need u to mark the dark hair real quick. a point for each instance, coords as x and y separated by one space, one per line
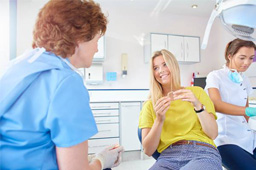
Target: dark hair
233 47
62 23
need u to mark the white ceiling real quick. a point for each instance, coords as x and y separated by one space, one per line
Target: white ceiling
154 7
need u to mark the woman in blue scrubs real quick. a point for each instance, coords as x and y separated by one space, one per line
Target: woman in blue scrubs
45 117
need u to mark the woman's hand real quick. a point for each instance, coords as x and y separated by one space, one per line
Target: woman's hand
250 111
187 95
161 106
207 120
110 156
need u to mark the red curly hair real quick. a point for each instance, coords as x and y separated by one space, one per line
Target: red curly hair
62 23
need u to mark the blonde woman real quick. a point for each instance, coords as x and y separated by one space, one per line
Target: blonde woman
178 122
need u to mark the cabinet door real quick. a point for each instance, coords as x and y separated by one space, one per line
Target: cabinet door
192 49
176 46
100 55
158 42
130 112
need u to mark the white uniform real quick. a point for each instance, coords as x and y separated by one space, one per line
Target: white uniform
232 129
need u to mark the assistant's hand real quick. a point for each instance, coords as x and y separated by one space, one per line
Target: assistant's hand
161 106
250 111
187 95
110 156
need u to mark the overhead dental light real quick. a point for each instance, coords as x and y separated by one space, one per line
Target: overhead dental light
238 17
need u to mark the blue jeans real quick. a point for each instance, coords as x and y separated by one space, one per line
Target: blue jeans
188 157
236 158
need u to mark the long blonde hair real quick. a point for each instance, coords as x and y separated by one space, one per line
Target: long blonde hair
156 90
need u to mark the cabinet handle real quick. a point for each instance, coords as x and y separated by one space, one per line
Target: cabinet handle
100 121
104 131
130 106
97 146
101 107
97 114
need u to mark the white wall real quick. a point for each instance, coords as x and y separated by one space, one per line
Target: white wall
4 35
124 28
27 11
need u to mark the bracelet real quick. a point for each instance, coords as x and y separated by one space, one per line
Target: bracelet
199 111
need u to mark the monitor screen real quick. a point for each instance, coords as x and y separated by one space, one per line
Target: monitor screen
200 81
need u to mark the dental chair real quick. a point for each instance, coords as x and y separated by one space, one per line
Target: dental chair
155 154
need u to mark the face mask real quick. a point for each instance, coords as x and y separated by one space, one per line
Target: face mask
235 76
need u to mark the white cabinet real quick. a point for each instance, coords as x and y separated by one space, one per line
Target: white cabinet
192 49
175 46
116 113
106 115
100 55
158 42
107 130
184 48
129 116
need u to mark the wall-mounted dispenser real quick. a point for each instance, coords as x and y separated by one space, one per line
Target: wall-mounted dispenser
94 74
124 63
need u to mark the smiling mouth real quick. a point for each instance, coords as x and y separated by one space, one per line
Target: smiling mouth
164 76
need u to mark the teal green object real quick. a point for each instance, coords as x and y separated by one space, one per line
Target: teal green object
235 76
111 76
250 111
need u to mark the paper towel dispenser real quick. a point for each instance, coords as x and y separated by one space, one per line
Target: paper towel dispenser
94 74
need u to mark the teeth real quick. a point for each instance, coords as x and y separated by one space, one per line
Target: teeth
163 76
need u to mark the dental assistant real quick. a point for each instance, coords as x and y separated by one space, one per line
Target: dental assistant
45 117
229 89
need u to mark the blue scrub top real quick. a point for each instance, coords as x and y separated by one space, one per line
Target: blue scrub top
43 104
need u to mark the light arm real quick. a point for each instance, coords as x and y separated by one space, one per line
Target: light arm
76 158
224 107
